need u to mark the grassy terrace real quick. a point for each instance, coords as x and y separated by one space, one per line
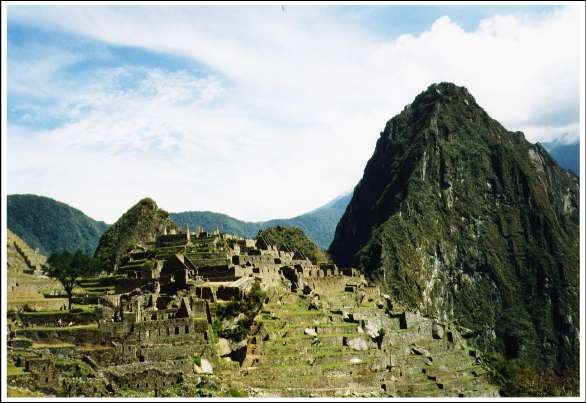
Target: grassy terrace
85 309
90 326
284 372
307 337
299 323
101 289
286 314
15 371
327 351
20 392
61 345
38 302
100 281
52 345
314 366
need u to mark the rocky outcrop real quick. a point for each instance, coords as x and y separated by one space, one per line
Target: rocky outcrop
462 219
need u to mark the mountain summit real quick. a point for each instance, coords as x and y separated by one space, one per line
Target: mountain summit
464 220
141 224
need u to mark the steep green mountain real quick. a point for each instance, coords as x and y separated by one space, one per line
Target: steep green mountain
567 155
52 226
318 224
460 218
138 226
292 238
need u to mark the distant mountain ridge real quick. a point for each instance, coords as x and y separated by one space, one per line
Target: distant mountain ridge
318 224
52 226
567 155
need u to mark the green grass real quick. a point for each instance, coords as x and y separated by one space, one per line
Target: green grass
59 329
53 345
322 336
86 309
20 392
16 371
237 393
323 354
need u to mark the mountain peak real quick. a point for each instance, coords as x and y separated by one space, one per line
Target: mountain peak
454 211
147 202
444 92
138 226
444 110
448 96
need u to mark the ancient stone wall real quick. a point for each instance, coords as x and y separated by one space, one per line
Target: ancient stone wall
172 240
43 370
168 331
73 335
327 285
217 273
227 293
256 260
128 353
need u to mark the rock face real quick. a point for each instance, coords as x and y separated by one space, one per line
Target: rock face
358 344
462 219
139 225
205 368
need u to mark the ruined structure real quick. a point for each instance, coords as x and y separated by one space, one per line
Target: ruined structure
156 325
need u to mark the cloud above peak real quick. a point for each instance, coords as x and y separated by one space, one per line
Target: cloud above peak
252 111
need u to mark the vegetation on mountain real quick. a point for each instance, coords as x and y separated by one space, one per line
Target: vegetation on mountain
462 219
138 226
52 226
518 378
294 239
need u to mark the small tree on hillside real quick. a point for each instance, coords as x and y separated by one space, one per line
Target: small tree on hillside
68 269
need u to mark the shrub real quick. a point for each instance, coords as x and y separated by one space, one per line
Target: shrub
248 306
237 393
517 377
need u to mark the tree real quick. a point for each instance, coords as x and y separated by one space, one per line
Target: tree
68 269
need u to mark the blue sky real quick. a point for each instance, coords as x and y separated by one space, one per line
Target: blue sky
392 21
256 112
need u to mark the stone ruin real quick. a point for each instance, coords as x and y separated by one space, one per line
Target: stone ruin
154 328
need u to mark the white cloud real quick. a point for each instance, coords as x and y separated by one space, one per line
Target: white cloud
292 111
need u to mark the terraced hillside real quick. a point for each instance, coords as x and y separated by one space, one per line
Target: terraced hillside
216 315
20 255
352 349
24 287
